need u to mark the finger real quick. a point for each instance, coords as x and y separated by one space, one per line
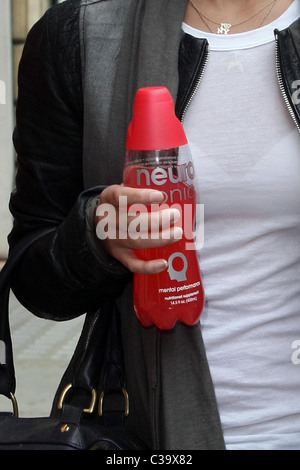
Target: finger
112 195
136 265
167 236
139 217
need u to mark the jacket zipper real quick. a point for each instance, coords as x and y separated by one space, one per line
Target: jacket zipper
281 86
196 82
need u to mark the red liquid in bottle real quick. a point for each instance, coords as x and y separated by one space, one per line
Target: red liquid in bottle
177 293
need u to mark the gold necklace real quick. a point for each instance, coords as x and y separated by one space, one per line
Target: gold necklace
224 28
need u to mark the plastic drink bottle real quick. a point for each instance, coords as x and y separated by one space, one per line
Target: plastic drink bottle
157 157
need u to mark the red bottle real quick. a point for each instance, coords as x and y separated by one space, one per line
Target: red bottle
158 157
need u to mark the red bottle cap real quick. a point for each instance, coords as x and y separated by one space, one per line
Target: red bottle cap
154 124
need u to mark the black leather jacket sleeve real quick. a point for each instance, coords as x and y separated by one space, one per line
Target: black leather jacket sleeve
65 273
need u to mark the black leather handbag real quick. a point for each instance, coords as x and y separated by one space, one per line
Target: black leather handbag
91 407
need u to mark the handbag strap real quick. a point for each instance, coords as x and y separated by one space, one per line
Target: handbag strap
7 370
96 367
96 371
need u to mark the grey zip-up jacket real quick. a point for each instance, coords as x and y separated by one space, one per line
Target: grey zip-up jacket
81 66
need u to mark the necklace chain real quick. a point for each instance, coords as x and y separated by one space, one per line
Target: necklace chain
224 28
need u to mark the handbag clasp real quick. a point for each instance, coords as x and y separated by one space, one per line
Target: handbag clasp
14 402
126 398
15 405
64 392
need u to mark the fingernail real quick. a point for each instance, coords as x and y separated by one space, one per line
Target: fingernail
161 264
156 196
177 233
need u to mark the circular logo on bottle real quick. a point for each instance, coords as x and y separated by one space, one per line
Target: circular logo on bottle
178 265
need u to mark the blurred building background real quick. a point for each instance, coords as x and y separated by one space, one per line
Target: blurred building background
17 17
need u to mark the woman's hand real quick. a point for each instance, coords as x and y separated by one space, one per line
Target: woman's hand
124 223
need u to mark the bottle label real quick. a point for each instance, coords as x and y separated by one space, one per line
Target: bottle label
176 293
175 182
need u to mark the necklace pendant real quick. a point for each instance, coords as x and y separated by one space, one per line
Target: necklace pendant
224 28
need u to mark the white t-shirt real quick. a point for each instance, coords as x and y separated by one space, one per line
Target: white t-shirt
246 152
